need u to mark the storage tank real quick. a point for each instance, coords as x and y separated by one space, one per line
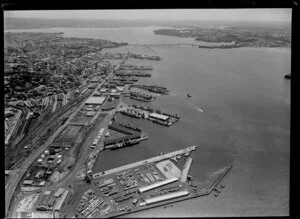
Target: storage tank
47 152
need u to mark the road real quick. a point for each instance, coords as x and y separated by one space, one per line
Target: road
14 180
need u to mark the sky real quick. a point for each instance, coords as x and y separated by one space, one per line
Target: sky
162 14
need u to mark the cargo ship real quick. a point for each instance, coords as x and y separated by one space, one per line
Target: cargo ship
153 88
125 143
134 67
137 56
141 97
130 127
136 74
134 115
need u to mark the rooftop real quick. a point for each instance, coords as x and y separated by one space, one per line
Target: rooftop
159 116
95 100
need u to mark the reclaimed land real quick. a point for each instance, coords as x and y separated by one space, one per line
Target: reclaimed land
232 37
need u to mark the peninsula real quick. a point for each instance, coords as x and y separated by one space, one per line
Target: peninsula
232 37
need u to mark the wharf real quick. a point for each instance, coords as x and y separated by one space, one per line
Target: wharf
150 160
122 139
192 194
141 99
140 112
185 171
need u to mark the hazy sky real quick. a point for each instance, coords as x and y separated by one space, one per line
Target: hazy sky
162 14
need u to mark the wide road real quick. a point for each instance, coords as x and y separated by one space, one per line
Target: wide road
14 180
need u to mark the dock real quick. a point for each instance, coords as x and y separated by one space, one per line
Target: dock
185 171
150 160
219 179
159 118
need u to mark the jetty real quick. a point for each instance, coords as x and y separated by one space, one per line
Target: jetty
150 160
146 113
186 170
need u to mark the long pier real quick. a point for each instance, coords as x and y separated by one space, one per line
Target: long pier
150 160
219 179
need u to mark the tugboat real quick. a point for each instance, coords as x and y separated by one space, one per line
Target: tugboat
288 76
189 95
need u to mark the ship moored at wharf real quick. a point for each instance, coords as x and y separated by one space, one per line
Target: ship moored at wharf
152 88
155 116
138 56
141 97
136 73
135 67
129 126
125 141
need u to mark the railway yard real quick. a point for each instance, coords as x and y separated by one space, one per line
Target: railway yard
57 139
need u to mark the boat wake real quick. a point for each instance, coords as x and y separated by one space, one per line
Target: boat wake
195 107
200 110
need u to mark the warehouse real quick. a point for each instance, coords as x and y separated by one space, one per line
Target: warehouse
164 197
59 192
61 200
95 100
158 116
158 184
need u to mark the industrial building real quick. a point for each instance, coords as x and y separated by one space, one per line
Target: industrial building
158 184
63 193
164 197
95 100
28 182
49 202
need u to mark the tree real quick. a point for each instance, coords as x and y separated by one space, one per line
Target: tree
87 179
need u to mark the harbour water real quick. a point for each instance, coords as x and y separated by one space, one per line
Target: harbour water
239 115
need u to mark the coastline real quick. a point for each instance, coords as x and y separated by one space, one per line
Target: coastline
238 188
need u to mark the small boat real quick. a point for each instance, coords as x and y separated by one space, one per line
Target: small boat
189 95
288 76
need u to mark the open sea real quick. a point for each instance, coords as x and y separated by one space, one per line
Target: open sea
239 115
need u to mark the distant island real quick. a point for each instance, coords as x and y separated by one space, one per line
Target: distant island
232 37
